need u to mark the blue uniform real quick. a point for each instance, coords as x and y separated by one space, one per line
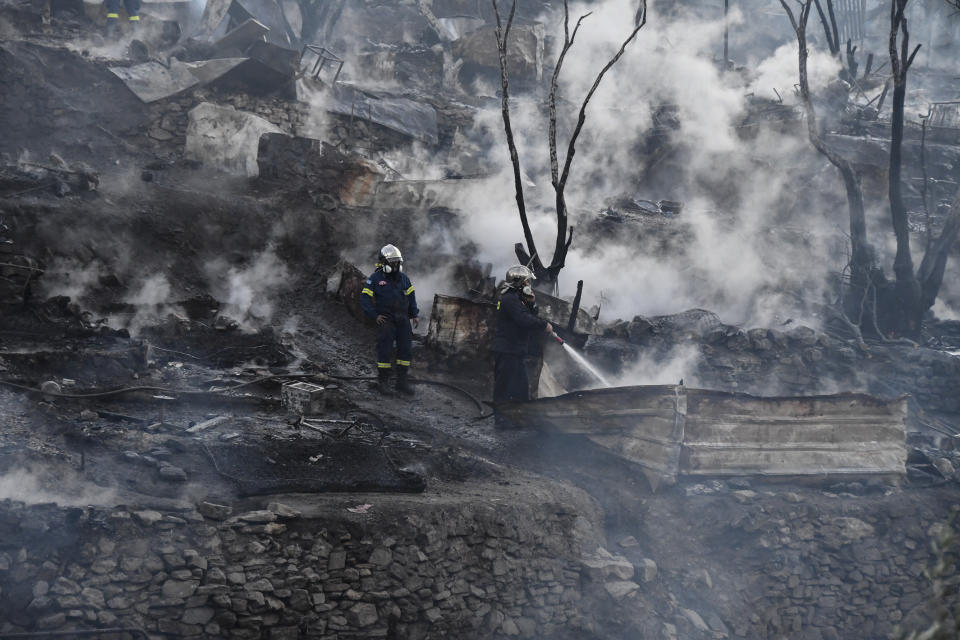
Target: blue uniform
391 295
517 326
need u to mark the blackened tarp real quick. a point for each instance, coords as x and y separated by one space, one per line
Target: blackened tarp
411 118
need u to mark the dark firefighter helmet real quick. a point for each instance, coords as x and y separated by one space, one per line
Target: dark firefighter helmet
391 259
519 277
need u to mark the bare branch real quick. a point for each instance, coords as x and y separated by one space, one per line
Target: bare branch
567 43
861 254
502 34
834 48
560 247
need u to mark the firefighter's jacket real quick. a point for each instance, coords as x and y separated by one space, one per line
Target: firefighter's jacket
517 323
389 295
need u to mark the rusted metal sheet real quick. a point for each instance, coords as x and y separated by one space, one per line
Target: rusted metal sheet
675 431
945 114
460 329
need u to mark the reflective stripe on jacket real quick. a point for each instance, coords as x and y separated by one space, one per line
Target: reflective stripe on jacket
390 295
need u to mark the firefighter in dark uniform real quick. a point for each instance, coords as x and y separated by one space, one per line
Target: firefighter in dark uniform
388 298
517 327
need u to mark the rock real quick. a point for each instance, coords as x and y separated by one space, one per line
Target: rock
159 134
224 138
744 496
195 560
52 621
214 511
853 529
695 619
106 618
717 625
362 614
88 416
669 631
283 511
171 473
602 565
148 517
64 586
381 557
41 588
104 565
629 542
510 627
260 585
944 466
179 589
337 560
199 615
648 569
262 516
620 589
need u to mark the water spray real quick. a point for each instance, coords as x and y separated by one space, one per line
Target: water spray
579 359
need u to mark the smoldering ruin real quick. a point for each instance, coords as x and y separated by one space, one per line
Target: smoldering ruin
742 217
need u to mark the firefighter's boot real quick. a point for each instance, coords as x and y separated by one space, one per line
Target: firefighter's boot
112 29
403 381
383 381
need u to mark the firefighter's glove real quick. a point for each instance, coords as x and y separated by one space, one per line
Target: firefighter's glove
381 320
416 322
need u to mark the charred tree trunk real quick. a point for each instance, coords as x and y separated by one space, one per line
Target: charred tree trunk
531 256
909 309
547 275
862 262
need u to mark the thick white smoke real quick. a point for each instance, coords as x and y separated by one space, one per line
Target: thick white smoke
250 293
733 187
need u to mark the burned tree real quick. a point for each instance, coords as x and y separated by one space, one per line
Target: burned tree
898 309
862 257
547 274
831 31
914 293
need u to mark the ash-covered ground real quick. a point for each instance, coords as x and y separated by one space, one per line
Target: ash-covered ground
185 212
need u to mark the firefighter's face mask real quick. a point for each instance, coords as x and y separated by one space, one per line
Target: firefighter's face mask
394 265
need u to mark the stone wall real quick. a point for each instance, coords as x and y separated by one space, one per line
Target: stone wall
709 560
471 571
851 568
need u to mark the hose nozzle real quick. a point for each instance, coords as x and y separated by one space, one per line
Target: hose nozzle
558 338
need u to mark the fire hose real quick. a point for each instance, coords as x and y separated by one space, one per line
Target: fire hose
220 391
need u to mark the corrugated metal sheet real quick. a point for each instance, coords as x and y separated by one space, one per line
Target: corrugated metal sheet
675 431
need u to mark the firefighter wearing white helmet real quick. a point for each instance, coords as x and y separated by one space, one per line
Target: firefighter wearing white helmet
388 298
517 324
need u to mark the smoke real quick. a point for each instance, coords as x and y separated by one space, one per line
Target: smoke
779 72
72 277
736 188
65 489
249 293
680 363
151 300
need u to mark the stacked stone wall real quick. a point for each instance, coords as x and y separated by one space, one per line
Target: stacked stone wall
476 572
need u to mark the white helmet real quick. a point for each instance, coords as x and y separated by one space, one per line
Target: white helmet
519 275
391 259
